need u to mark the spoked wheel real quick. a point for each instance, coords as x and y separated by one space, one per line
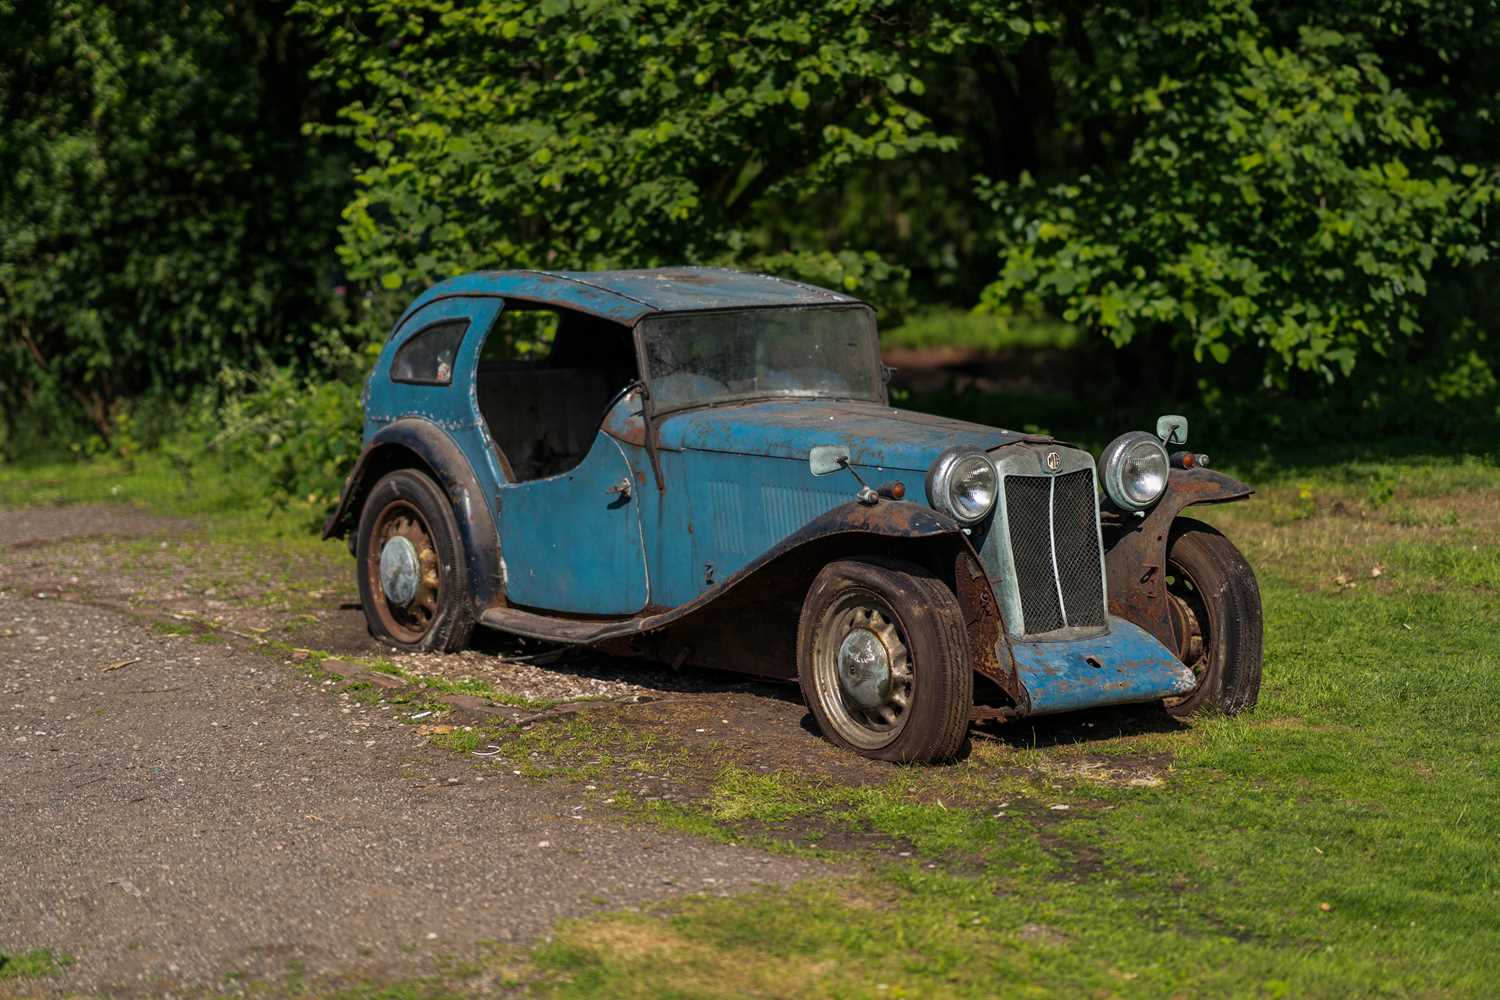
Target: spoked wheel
863 671
883 661
405 565
412 579
1216 620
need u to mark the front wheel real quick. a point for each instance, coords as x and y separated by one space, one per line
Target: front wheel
1216 620
883 659
413 583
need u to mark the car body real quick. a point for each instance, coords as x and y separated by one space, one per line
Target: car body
702 459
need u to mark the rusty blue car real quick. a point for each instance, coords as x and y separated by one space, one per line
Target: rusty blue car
702 467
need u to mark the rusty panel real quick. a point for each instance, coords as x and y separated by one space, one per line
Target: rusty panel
1135 559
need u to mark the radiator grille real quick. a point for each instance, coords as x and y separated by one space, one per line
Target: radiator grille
1053 525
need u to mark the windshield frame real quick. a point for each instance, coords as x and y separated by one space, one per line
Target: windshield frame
643 328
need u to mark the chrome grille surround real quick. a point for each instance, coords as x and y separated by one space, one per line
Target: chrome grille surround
1045 544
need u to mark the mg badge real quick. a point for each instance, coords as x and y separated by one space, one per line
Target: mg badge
1054 461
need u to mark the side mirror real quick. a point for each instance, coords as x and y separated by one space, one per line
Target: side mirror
826 458
1172 428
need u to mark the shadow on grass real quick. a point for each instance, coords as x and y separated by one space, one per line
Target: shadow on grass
1099 725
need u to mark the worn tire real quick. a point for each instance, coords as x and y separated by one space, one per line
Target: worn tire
445 627
924 617
1208 575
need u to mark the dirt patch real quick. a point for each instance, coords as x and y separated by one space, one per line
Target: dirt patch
177 812
1127 771
32 526
1078 862
761 726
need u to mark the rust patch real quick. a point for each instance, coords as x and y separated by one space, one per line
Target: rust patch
1135 557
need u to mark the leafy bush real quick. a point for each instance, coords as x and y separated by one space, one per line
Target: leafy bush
504 133
300 437
162 214
1283 202
979 330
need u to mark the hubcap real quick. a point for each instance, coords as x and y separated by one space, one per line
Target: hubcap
403 565
863 671
864 668
399 570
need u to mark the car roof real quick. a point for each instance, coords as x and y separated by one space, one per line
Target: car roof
629 296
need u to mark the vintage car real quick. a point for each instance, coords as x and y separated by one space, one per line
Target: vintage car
701 466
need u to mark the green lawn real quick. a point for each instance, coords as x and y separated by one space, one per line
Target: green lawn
1343 838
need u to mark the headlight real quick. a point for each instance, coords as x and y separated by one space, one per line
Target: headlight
962 484
1134 469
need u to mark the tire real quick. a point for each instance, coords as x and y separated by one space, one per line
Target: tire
1216 620
440 614
914 622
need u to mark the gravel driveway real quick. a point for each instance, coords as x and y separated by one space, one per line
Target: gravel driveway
172 813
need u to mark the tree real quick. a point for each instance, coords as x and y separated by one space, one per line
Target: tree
1257 192
592 133
162 215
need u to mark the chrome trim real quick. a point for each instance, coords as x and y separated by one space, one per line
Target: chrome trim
1110 462
939 474
1062 603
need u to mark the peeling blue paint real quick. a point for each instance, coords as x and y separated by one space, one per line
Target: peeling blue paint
1124 666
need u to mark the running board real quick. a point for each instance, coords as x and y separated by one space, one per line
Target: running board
568 631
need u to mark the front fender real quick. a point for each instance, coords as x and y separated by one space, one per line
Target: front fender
414 443
1135 560
766 594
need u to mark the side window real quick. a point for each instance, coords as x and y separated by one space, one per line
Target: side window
427 358
522 333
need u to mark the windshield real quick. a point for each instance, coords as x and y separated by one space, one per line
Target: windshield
698 358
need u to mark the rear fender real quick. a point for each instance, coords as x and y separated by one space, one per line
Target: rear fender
416 444
1135 561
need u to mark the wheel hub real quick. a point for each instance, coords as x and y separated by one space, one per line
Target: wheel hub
864 668
400 570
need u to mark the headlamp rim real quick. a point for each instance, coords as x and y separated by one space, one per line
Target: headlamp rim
1112 469
940 484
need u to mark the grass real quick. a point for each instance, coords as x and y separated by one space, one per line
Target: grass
1340 839
35 964
956 329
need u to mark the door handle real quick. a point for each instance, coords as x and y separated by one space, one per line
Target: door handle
622 489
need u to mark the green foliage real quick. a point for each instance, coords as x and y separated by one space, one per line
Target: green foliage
1252 198
299 437
1281 200
977 330
161 210
594 133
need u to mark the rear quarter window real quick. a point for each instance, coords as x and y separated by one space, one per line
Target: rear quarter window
427 358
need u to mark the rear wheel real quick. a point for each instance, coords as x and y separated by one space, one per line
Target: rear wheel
1216 620
883 660
413 583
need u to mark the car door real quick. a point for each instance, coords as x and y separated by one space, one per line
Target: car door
572 542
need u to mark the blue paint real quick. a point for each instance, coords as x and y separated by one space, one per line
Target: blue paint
723 507
1133 668
626 296
452 408
573 542
878 436
692 289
